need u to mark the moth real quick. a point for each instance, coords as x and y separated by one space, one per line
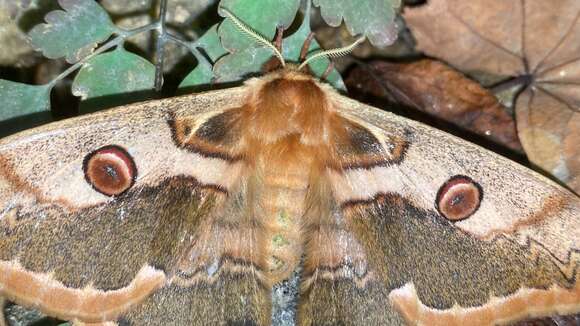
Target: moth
188 210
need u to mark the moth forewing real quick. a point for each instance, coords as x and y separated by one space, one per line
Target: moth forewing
232 190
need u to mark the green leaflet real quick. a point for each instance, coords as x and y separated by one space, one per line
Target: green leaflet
22 99
112 79
263 16
373 18
23 106
72 33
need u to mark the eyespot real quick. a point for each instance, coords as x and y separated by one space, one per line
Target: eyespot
110 170
458 198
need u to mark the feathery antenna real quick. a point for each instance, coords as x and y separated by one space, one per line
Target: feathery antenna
332 53
253 34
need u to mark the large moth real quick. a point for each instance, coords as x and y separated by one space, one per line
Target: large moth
186 211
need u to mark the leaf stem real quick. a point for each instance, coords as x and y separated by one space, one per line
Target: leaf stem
159 49
516 82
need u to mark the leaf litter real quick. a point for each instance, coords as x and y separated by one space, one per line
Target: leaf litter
534 42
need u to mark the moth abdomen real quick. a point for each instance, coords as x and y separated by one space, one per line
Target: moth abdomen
282 208
281 192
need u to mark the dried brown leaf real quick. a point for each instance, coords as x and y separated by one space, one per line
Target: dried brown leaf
539 39
441 91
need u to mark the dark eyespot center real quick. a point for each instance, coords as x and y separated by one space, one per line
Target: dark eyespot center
110 170
458 198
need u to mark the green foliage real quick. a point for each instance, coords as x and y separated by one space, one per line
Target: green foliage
69 33
248 58
223 53
373 18
113 73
